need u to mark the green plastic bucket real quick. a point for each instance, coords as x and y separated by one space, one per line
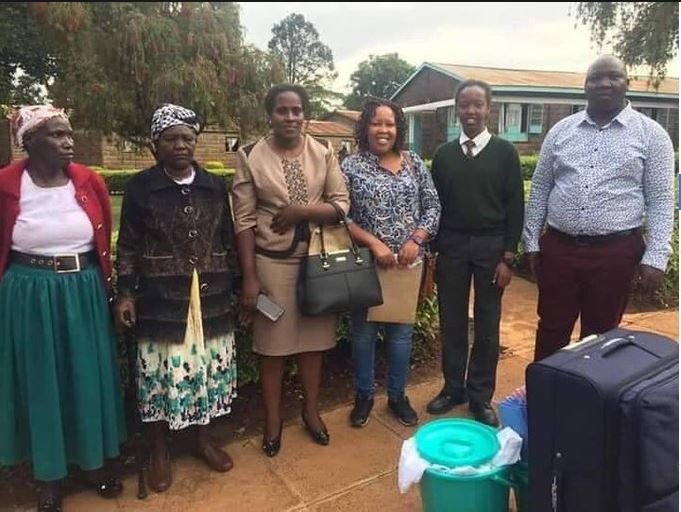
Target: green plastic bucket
519 476
455 442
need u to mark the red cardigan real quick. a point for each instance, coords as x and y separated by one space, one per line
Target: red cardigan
91 194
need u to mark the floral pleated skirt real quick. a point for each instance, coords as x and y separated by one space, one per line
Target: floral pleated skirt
60 397
188 382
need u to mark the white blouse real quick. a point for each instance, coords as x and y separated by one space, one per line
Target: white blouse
51 221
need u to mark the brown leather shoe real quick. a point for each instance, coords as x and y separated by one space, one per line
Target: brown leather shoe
216 458
160 475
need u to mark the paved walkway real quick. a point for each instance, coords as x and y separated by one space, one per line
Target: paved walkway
357 472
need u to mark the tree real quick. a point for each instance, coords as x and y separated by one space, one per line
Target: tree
379 76
641 33
306 60
28 60
121 60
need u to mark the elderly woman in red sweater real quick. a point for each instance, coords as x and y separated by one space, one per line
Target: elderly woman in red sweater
60 400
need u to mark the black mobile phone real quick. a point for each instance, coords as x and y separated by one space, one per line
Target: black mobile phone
268 307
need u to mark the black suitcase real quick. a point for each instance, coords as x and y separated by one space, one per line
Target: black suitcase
603 419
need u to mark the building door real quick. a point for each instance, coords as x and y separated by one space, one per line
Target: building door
415 142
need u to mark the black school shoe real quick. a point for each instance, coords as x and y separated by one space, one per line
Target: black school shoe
359 416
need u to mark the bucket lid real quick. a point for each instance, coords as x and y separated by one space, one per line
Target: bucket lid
454 442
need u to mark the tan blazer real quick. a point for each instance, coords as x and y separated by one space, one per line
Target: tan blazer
259 187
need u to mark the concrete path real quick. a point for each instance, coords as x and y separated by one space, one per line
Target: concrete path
358 471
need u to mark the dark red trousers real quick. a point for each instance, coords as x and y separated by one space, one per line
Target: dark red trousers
593 282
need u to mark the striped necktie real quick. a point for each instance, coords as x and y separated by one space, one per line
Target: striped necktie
470 144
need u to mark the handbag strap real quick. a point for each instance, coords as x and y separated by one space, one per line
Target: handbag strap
342 219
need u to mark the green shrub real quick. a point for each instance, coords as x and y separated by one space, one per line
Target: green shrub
528 163
214 164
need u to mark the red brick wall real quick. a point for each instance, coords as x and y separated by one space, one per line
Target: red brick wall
210 148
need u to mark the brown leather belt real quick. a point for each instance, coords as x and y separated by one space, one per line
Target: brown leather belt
587 241
60 263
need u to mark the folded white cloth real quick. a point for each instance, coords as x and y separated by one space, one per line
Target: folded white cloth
411 466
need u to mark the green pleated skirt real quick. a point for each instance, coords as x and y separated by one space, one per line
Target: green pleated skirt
60 396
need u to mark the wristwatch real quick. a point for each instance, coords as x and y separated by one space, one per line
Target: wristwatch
417 240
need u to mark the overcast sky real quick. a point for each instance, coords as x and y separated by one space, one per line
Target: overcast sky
512 35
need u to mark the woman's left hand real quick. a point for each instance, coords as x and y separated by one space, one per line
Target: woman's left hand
502 275
408 253
286 218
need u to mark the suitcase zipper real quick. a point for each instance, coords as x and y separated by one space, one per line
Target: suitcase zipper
556 481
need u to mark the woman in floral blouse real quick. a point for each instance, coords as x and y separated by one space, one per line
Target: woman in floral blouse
395 211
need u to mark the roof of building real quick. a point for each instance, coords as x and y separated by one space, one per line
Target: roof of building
327 129
353 115
527 78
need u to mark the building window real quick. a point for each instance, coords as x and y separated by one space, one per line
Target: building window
647 111
129 147
513 122
231 144
536 118
663 117
453 124
510 118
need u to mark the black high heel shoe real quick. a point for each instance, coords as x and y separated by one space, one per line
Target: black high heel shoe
321 437
272 446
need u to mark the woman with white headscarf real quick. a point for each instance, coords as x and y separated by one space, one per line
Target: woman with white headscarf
60 400
175 271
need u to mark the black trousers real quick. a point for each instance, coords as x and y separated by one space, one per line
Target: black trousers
462 257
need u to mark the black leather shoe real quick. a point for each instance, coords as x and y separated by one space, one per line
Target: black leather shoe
403 411
360 412
444 402
321 437
272 446
483 412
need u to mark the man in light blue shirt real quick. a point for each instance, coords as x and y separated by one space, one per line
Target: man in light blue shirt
605 178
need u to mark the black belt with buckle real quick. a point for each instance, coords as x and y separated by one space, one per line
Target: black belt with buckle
60 263
587 241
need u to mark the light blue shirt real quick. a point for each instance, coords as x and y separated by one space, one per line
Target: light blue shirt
593 180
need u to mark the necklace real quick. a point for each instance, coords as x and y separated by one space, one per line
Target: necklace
187 178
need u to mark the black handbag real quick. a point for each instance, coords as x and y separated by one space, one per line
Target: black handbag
339 281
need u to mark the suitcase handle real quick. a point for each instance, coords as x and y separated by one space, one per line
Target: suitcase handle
615 344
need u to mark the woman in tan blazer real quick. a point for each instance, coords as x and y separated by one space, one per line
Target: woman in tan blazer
283 183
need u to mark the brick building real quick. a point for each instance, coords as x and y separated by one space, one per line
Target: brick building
525 103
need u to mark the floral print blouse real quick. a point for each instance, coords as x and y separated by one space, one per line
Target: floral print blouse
391 206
